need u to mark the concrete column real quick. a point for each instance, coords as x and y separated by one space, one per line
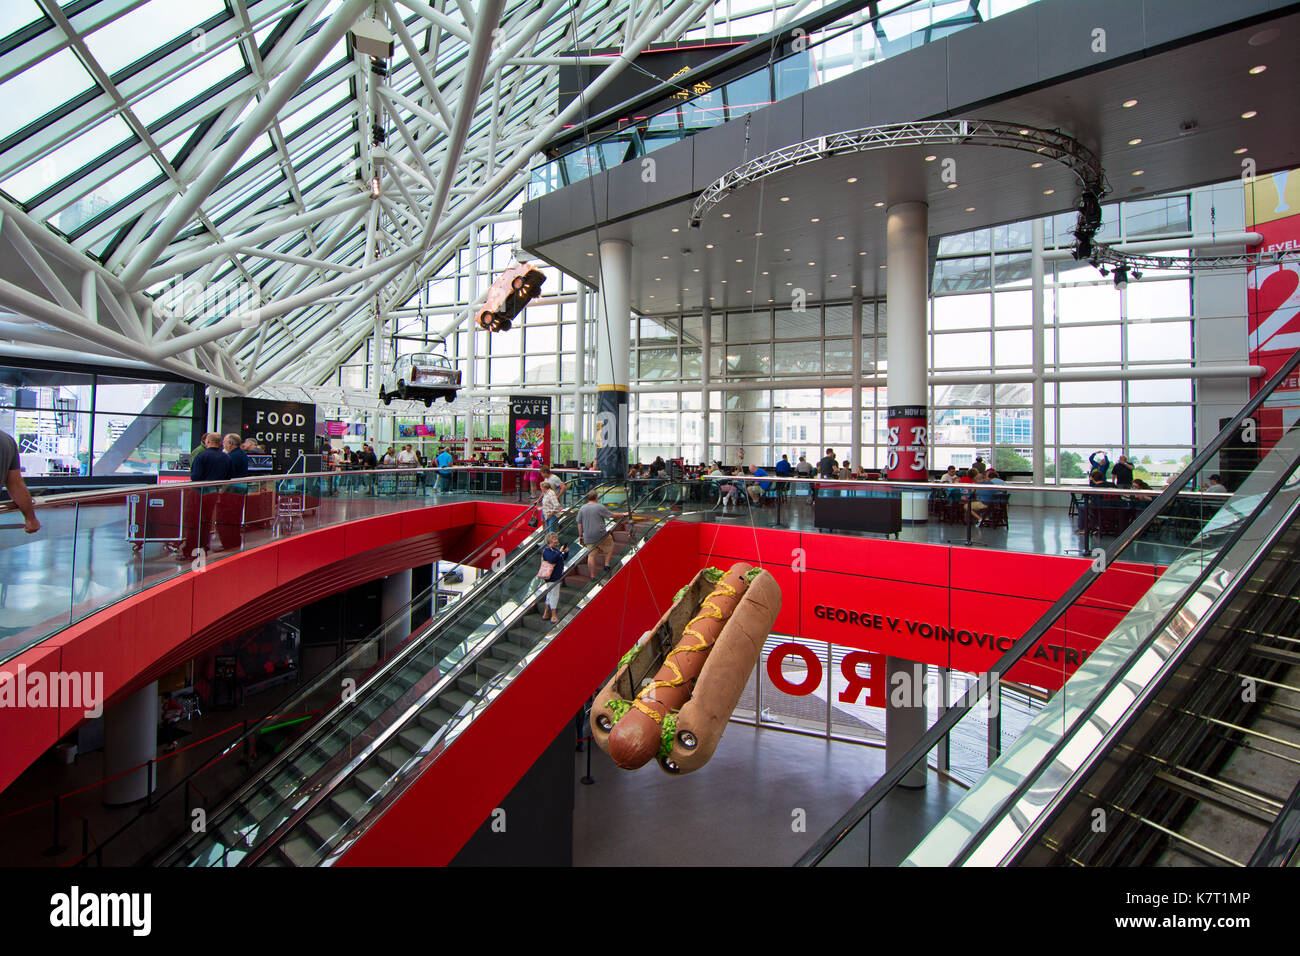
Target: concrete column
580 376
855 423
613 356
906 246
905 715
1038 420
130 740
395 596
706 359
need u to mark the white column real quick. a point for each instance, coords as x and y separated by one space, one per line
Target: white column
855 423
1038 421
613 356
905 290
580 376
706 360
130 740
394 596
906 227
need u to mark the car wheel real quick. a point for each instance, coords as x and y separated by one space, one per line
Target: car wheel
503 325
517 283
449 396
401 389
386 398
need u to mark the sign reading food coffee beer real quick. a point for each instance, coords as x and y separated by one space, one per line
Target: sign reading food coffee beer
285 429
530 430
907 457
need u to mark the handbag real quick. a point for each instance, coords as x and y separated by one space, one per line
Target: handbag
533 520
546 570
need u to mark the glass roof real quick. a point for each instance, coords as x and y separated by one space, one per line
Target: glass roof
119 112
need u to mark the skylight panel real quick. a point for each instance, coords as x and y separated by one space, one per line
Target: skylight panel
133 35
39 89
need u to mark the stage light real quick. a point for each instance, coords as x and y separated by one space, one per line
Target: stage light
1121 277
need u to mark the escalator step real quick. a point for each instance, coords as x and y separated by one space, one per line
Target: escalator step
507 651
414 738
350 802
453 700
323 823
373 778
299 851
394 756
490 666
471 683
433 719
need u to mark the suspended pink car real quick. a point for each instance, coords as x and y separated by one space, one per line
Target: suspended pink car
512 290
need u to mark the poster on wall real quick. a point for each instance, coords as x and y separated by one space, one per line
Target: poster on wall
907 458
529 441
285 429
1273 296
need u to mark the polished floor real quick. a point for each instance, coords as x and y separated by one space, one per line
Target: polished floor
762 800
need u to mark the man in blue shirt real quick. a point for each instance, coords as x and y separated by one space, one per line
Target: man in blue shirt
444 473
756 490
784 470
211 464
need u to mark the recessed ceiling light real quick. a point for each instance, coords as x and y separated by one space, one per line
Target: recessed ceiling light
1035 165
664 257
1048 192
771 300
952 185
812 263
789 283
708 245
652 295
1024 132
1250 114
695 270
1256 70
659 279
884 267
785 199
1138 172
726 215
1135 140
758 235
1129 104
590 254
724 281
764 273
862 253
749 292
1238 152
970 208
840 238
740 260
675 229
931 158
834 275
815 219
879 204
785 250
686 290
851 179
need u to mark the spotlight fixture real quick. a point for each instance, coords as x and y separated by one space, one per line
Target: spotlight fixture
374 187
1137 274
1121 277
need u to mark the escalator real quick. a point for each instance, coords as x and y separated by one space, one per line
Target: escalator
1203 774
1176 742
307 808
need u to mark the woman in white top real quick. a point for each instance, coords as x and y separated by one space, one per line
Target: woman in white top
550 507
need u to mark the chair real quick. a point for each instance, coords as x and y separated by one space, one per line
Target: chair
995 515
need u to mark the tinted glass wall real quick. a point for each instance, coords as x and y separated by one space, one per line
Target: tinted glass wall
82 423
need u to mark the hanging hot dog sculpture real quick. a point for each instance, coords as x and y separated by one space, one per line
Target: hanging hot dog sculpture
675 689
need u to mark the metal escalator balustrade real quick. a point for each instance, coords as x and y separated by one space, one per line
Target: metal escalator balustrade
240 823
894 821
388 725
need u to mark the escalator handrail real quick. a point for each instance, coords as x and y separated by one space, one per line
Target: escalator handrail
395 726
1152 687
980 688
429 629
412 712
1282 841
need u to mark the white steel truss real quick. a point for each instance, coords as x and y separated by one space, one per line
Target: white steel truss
230 190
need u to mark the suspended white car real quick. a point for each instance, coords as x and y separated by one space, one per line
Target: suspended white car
421 375
507 296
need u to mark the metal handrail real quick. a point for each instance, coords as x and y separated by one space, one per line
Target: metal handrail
976 692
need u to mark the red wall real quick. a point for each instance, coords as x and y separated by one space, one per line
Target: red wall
148 633
986 592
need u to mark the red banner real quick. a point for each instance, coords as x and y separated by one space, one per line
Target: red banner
1273 296
908 456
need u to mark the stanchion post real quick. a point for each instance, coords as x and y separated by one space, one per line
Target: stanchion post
55 847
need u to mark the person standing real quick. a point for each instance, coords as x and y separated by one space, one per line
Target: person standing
1098 461
827 467
592 534
211 464
11 468
550 507
444 470
555 555
1122 473
230 510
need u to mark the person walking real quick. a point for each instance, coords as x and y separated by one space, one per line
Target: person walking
592 534
554 555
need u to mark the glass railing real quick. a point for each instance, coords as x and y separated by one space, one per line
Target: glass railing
892 822
339 811
848 44
94 549
350 730
214 781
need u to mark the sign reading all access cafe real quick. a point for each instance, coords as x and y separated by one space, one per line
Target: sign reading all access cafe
285 429
530 430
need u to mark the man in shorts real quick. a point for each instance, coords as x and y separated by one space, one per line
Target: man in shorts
591 530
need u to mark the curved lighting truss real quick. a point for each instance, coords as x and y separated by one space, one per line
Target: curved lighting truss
1049 144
